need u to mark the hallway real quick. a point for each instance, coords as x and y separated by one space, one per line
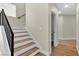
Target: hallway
65 48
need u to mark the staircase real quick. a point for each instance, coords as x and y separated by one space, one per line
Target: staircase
24 44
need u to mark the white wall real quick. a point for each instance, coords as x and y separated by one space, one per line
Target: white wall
67 27
37 22
9 9
4 47
20 10
13 10
1 42
14 22
60 27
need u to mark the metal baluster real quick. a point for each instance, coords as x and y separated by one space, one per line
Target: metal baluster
1 18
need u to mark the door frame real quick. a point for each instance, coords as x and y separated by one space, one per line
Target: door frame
55 30
52 26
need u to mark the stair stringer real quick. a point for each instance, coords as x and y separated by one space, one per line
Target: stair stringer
37 44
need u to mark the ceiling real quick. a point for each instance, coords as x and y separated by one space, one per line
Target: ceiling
70 10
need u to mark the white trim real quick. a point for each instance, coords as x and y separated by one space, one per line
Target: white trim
23 43
77 28
21 38
24 50
77 49
67 38
56 42
40 48
45 53
34 53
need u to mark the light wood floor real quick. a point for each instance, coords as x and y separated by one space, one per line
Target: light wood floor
65 48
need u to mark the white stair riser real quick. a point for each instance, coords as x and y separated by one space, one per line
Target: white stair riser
21 34
23 43
19 31
24 50
21 38
17 28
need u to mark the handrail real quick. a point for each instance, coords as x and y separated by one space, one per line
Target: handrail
9 33
21 16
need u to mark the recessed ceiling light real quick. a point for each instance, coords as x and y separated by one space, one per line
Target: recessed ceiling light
66 6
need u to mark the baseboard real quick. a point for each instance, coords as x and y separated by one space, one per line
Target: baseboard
77 50
77 47
45 53
67 38
41 50
56 43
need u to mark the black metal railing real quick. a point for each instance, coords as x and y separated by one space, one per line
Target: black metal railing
9 33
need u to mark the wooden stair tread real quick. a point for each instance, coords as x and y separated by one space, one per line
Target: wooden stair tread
23 40
27 53
23 46
39 54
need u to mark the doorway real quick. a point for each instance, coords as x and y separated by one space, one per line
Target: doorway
52 29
